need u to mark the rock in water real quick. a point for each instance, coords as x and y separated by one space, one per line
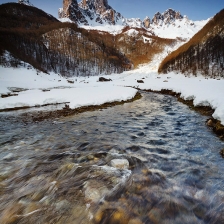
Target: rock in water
120 163
94 191
210 123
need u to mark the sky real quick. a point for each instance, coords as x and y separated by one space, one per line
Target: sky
194 9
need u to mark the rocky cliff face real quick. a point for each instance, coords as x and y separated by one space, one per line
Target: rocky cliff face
168 17
72 11
90 12
146 22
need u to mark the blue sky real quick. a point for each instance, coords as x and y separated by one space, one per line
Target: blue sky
194 9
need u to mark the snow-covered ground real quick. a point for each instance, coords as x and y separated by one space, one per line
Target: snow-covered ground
83 92
112 29
88 91
184 28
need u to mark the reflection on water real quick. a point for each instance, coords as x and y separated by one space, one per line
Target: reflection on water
150 161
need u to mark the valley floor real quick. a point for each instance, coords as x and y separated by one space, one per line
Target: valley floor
37 89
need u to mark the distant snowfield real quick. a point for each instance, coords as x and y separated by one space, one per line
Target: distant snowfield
88 91
112 29
184 28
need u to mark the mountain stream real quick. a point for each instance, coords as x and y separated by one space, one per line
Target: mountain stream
149 161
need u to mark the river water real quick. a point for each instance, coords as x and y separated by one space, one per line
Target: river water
62 171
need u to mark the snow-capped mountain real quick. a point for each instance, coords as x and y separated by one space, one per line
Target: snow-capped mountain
99 15
170 16
25 2
90 12
183 28
133 22
171 24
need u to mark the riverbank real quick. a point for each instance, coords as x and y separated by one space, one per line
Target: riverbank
38 116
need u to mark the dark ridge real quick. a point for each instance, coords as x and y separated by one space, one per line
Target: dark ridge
14 15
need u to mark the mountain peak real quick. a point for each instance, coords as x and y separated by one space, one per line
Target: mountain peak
88 12
167 17
71 11
25 2
171 15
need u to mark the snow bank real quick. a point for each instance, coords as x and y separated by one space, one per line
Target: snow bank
75 97
28 79
83 92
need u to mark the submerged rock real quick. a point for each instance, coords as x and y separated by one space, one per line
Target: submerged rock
120 163
135 221
8 157
95 190
111 215
12 214
62 206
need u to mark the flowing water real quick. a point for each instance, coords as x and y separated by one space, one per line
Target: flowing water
64 170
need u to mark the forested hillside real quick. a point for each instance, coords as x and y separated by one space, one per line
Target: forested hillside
141 46
85 53
33 36
204 53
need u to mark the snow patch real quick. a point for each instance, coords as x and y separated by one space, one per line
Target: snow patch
132 32
112 29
